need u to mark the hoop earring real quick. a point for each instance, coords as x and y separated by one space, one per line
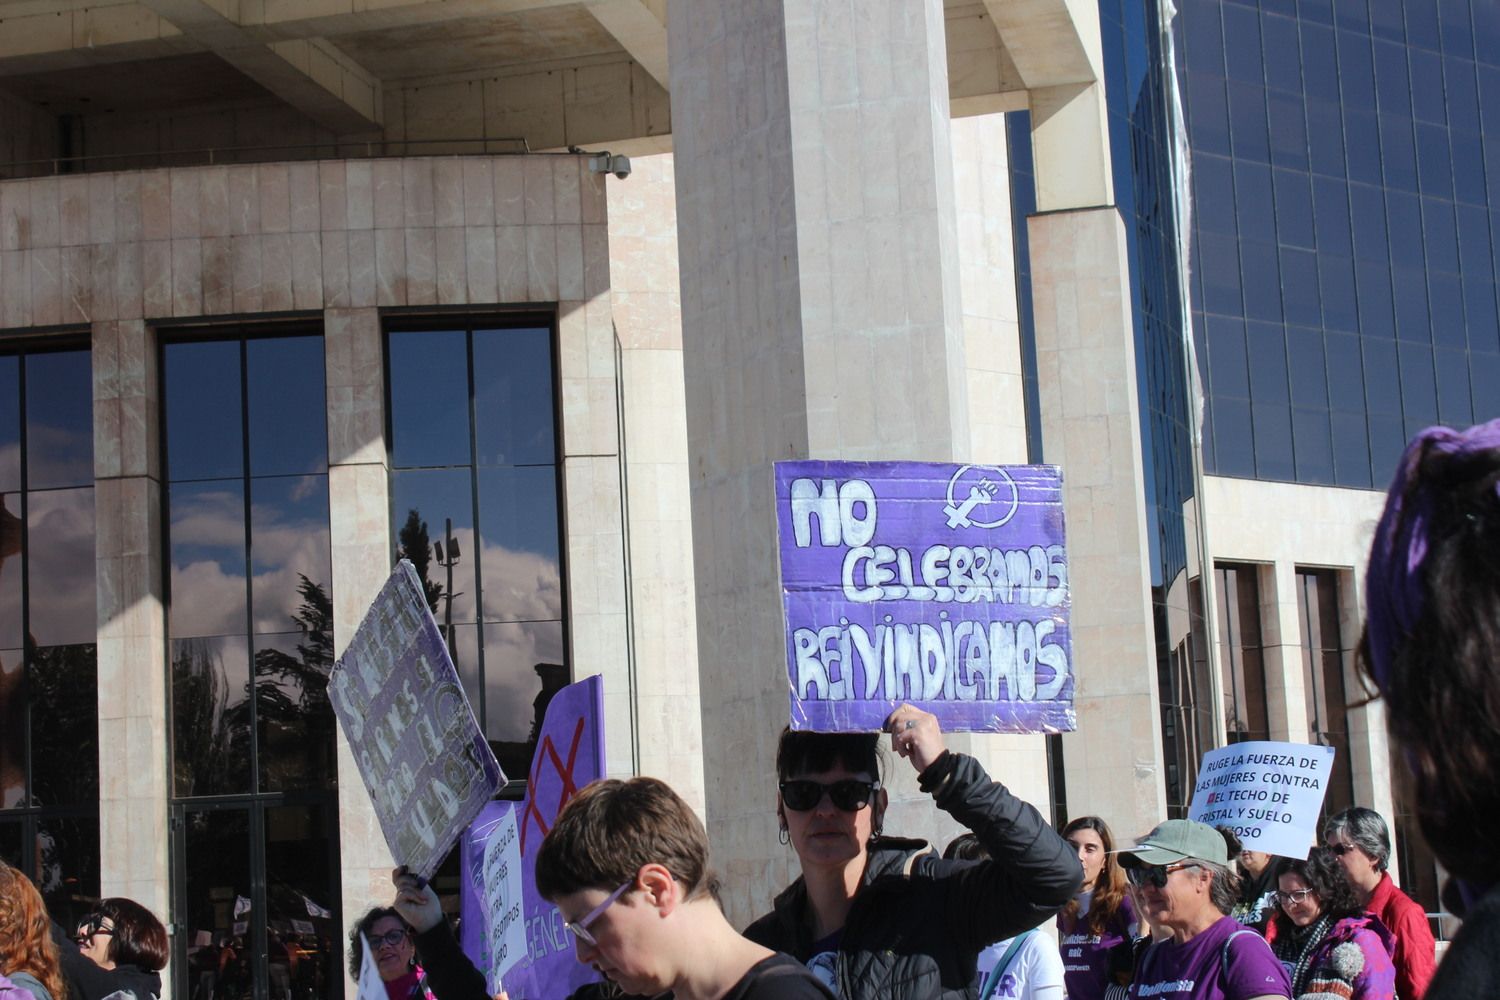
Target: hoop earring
784 836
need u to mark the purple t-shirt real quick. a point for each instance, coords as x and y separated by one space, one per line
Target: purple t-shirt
1086 956
1198 970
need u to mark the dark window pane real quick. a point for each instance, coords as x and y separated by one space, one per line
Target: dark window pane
1273 441
1294 209
1248 135
210 716
1485 372
1255 207
1434 169
1331 202
1353 15
294 723
1288 130
1412 322
1323 678
1367 208
518 519
1377 317
1233 440
1468 168
60 566
11 529
1336 279
1398 158
1362 145
67 865
513 396
1382 377
1219 268
1460 93
1421 25
288 545
1203 37
1325 138
1320 75
1385 22
1213 194
1392 83
1299 287
12 729
428 505
429 405
1283 55
1228 370
1456 32
1404 217
1351 450
1314 446
1445 303
1481 318
1387 441
1241 658
65 725
1418 386
1427 86
288 414
1474 244
1346 381
59 420
1261 272
10 423
207 532
303 957
205 438
218 901
1440 233
1306 362
1243 58
1267 351
1208 113
1452 370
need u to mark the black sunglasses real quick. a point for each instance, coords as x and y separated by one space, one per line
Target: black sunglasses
850 794
1153 875
1342 849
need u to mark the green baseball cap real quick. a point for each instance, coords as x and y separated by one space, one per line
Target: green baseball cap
1177 840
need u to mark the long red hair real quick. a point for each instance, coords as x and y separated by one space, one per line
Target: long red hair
25 933
1109 887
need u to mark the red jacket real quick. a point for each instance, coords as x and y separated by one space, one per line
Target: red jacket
1415 955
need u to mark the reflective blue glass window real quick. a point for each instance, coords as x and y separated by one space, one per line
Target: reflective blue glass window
1474 243
1356 70
1336 281
1427 87
1353 15
1261 273
1319 11
60 423
1362 145
1468 168
1248 135
1418 387
1288 130
1255 208
1213 194
1452 370
1351 449
1387 440
1307 366
1243 55
1266 347
1385 22
1325 138
1377 313
1440 233
287 412
1367 208
1410 286
1434 169
1392 82
1320 74
1382 377
1481 316
205 379
1421 23
1331 211
1208 113
429 414
1282 53
1312 445
1454 27
1300 301
1397 155
1273 441
1234 441
1346 380
1460 93
1404 220
1486 33
1488 76
1219 267
1203 37
1227 364
1294 208
1445 305
1484 369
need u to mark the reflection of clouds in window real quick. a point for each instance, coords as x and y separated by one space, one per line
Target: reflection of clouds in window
10 465
511 653
59 456
288 540
519 586
60 566
208 560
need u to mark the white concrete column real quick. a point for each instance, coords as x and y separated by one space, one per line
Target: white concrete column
1086 373
132 646
359 515
820 318
1281 632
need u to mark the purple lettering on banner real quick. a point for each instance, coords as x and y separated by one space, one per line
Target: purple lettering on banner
420 752
945 586
569 755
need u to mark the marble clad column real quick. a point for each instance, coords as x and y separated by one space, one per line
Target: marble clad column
820 318
1086 378
359 525
133 788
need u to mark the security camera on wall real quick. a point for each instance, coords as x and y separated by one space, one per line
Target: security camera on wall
606 163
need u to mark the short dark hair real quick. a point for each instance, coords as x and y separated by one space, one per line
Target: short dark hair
362 929
611 829
802 752
139 938
1324 876
965 847
1366 829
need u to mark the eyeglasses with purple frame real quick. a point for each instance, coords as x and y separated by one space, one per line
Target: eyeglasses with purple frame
580 927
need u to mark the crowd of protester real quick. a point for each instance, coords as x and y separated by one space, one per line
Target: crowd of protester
1184 913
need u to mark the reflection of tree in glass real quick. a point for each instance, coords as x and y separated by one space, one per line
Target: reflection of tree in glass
291 699
65 726
212 736
416 546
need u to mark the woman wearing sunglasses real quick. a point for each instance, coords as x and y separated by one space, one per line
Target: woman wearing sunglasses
1181 875
119 949
884 917
1324 937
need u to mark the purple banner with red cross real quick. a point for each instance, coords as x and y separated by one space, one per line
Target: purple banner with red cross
942 586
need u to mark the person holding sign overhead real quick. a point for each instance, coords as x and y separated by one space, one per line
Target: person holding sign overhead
884 917
1181 870
1330 946
1432 647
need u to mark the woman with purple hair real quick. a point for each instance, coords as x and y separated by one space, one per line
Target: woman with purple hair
1432 647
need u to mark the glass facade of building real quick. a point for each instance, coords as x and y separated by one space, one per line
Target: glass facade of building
1344 259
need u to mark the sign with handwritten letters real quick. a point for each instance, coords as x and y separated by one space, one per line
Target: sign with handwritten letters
504 897
1269 794
420 752
569 755
945 586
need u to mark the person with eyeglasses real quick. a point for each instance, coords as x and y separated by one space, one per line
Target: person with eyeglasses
1329 945
1360 839
394 952
1181 874
626 863
118 949
877 916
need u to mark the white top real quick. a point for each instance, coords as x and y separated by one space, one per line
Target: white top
1035 972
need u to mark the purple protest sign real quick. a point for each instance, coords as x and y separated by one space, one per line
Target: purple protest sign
945 586
399 701
569 755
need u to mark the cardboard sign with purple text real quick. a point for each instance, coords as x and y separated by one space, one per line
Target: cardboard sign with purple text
569 754
945 586
400 704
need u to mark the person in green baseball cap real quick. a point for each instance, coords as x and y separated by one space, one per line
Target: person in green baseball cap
1182 875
